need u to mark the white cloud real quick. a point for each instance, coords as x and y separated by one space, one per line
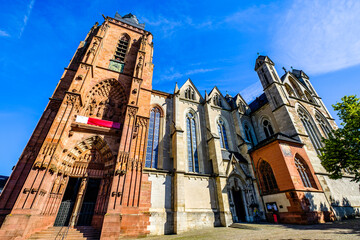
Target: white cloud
319 36
4 34
26 17
176 75
252 91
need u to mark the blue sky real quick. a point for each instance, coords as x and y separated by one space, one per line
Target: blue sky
212 42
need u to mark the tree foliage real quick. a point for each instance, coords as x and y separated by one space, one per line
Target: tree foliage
341 151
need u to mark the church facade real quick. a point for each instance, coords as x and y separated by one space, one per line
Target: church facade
112 153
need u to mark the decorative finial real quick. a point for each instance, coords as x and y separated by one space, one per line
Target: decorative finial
258 54
291 68
284 69
176 90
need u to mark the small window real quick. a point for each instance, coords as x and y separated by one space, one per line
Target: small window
268 128
121 48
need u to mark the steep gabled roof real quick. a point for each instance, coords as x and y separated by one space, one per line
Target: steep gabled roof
216 89
188 81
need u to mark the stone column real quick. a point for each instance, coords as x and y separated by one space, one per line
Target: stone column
78 203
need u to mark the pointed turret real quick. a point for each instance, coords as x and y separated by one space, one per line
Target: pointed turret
207 98
176 90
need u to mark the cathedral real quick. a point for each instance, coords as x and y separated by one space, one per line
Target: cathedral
112 153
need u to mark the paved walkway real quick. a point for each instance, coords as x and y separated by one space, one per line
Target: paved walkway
347 230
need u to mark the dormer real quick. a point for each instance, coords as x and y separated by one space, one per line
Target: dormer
240 104
218 100
189 92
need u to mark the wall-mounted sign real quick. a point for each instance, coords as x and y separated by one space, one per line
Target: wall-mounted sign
271 207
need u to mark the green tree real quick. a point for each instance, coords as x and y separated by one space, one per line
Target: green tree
341 151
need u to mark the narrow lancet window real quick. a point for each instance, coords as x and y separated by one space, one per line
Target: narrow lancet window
153 139
192 143
222 134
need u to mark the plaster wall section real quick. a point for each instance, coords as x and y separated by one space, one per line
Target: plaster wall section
162 215
344 204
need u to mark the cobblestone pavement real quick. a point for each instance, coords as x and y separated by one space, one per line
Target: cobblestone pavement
347 229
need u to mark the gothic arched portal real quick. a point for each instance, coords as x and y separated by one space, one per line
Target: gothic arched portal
88 167
241 198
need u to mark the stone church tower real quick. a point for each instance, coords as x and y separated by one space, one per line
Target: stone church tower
83 163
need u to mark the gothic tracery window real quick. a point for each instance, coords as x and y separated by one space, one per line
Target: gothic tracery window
296 88
192 143
325 127
267 178
217 100
153 139
121 48
289 90
309 97
248 134
304 172
190 93
268 130
310 129
222 134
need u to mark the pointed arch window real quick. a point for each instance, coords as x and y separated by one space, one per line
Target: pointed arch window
297 89
325 126
222 134
121 48
289 90
309 97
217 100
268 130
265 76
248 134
190 93
242 107
192 143
310 129
153 139
304 172
267 178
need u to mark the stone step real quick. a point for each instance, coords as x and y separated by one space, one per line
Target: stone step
79 233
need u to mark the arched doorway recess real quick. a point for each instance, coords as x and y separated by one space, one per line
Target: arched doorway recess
89 167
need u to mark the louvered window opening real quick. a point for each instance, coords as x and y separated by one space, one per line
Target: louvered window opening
121 49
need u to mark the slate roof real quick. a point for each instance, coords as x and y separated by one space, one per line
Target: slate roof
258 102
227 155
130 19
277 136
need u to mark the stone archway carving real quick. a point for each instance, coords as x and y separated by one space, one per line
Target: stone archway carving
237 182
106 100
